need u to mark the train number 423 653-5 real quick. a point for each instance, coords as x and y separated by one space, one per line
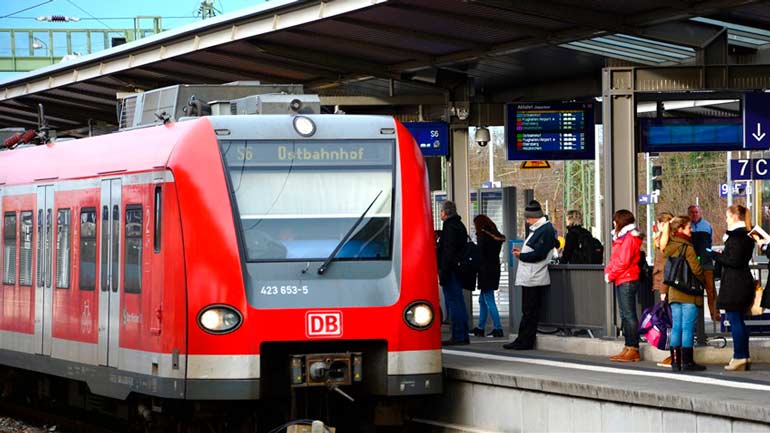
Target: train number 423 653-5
284 290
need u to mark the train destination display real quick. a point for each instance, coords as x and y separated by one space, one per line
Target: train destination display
561 131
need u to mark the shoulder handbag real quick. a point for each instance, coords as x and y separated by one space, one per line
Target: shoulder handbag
677 274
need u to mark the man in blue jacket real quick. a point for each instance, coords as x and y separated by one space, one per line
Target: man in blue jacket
702 236
532 273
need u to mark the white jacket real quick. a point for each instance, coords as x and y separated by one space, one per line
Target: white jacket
536 273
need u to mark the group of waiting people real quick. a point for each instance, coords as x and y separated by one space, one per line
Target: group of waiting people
691 235
532 275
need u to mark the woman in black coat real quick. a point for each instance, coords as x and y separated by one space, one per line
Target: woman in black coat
736 293
490 242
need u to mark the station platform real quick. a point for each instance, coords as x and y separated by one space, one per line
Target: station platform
491 389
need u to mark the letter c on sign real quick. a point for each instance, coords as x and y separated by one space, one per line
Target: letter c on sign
763 171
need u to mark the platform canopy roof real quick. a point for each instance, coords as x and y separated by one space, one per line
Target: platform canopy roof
390 48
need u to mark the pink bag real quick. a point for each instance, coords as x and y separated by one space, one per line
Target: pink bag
653 336
656 325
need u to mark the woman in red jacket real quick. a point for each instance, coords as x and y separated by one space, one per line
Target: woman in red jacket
623 271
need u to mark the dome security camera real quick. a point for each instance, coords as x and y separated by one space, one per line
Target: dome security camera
482 136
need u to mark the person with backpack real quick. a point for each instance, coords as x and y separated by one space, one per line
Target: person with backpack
623 271
450 251
532 274
684 307
579 244
490 243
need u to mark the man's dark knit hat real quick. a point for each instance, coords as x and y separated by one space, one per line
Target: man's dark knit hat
533 210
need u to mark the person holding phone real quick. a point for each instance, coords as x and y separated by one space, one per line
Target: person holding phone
532 274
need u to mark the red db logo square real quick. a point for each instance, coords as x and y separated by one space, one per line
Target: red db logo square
323 324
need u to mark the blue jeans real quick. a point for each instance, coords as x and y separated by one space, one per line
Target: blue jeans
487 306
455 305
683 316
740 335
627 306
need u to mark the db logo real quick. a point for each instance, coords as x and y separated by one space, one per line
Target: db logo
324 324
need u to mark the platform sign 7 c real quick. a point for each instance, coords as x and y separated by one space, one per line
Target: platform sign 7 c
748 169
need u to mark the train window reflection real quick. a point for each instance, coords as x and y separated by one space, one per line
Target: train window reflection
63 249
297 200
9 248
133 253
87 276
25 250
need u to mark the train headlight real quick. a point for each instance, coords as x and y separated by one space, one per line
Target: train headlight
418 315
219 319
304 126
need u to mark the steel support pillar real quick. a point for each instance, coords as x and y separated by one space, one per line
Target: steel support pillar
457 168
619 162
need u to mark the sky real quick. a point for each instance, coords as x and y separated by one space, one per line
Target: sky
96 14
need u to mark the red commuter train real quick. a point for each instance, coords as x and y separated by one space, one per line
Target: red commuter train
223 258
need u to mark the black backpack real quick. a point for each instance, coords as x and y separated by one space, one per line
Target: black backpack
469 265
589 251
597 251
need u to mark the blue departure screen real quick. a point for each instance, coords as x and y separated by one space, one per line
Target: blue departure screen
687 135
561 131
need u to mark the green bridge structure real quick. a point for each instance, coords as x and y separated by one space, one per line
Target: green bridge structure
23 50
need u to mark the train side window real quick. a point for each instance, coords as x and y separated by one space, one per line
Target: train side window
133 255
25 250
87 275
63 254
156 235
9 248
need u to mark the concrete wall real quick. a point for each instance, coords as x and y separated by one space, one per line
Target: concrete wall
482 408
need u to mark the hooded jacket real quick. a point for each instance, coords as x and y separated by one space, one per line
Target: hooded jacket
623 266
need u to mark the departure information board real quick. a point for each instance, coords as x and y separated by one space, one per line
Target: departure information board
699 134
560 131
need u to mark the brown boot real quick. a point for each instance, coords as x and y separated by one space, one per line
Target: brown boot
631 355
619 355
665 363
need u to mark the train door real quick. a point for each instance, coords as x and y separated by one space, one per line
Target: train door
43 285
109 269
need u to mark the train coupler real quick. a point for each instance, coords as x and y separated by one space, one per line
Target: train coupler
326 369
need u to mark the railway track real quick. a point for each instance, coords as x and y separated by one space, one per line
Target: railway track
19 418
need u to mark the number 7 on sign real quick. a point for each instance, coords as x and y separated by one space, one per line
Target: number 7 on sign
741 169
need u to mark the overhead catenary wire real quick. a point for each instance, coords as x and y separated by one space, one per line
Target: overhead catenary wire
26 9
89 14
109 18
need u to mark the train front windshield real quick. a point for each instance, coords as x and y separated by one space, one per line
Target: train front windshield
299 199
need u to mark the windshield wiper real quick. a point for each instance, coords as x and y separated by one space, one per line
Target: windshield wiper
327 262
